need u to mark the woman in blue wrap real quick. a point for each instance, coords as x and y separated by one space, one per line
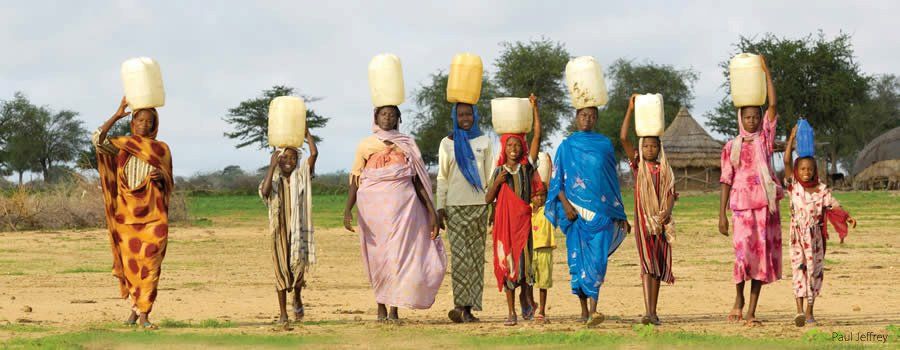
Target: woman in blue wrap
585 202
465 159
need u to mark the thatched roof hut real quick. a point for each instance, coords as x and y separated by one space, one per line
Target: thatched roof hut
689 145
692 153
878 164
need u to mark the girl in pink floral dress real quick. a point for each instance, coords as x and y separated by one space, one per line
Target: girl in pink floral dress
811 204
749 189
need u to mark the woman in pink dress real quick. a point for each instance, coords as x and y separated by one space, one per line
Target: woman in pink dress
401 250
749 189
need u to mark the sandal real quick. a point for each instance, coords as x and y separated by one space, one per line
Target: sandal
753 323
646 320
541 319
456 316
595 319
299 313
528 314
510 321
149 326
800 320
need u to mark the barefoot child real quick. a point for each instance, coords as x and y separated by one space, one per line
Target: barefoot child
511 187
286 192
654 197
811 204
544 244
752 194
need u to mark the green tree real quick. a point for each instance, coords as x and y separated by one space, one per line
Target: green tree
250 119
87 158
879 114
627 78
432 121
815 77
61 137
40 139
538 67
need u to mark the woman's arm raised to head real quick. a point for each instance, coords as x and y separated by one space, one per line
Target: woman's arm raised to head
770 89
536 138
627 147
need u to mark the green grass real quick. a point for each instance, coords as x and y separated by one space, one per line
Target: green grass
328 210
23 328
206 210
209 323
105 339
403 337
82 269
13 273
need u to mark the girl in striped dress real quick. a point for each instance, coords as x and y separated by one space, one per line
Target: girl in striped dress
286 190
654 197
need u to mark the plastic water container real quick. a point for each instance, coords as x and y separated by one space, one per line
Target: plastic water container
142 81
464 80
544 166
287 122
386 80
511 115
649 117
806 144
584 78
748 80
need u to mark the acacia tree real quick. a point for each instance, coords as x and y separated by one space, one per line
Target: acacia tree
250 119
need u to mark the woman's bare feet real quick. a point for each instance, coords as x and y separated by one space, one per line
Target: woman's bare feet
654 319
645 320
737 312
394 316
382 313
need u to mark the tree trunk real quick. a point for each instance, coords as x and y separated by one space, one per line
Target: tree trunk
20 178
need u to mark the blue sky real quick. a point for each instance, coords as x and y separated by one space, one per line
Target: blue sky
215 54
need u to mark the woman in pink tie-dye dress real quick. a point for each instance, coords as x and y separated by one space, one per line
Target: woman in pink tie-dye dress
750 191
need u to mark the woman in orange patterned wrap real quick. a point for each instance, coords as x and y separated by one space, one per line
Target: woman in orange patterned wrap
136 176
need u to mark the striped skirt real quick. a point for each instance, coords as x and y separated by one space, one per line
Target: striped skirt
655 254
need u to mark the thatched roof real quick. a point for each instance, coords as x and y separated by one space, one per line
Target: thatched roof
882 148
883 170
687 144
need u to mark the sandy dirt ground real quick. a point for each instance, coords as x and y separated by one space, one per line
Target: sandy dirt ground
224 272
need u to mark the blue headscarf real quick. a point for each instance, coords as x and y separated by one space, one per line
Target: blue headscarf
462 149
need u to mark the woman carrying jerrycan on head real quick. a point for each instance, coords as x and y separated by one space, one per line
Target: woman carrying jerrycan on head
401 249
465 159
749 188
584 199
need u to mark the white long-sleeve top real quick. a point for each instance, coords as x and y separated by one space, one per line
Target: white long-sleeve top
452 187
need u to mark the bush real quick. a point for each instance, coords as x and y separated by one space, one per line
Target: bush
77 203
